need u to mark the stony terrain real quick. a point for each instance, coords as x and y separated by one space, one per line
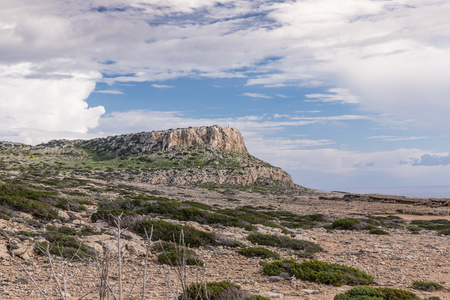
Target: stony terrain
73 186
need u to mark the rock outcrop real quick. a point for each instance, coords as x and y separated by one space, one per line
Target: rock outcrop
223 138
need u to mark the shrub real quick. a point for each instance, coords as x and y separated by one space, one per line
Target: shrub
445 231
318 271
210 291
171 232
442 226
189 214
63 245
282 241
347 224
179 257
256 297
109 215
378 232
361 293
371 293
4 216
426 285
259 252
305 254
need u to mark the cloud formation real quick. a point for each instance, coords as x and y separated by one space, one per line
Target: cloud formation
389 57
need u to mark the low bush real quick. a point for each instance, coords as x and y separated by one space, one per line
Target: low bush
62 244
347 224
306 254
180 257
318 271
282 241
4 216
426 285
110 215
442 226
222 290
211 291
259 252
173 254
378 232
171 232
371 293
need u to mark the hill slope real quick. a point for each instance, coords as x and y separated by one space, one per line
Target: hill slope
209 156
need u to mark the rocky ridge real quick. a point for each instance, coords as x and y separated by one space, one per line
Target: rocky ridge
183 156
220 138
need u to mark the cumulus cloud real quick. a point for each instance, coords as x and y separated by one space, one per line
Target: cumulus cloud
432 160
386 56
32 109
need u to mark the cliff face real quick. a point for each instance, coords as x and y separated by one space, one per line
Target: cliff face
221 138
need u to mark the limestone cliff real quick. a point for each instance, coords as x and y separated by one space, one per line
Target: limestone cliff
224 138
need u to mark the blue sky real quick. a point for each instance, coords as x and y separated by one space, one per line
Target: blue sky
341 94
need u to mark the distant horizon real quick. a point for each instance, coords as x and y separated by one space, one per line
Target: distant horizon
405 191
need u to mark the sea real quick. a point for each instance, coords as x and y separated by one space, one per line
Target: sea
406 191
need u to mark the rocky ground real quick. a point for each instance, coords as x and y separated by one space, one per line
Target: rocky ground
395 260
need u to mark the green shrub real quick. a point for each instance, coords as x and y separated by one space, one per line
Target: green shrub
371 293
173 254
445 231
361 293
171 232
426 285
282 241
210 291
306 254
378 232
179 257
442 226
318 271
259 252
24 233
109 215
4 216
256 297
347 224
64 245
189 214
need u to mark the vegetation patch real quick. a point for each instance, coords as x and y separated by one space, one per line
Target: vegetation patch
378 231
282 241
319 271
442 226
347 224
63 242
426 285
221 290
259 252
371 293
172 232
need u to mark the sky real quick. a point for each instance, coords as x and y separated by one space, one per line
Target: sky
341 94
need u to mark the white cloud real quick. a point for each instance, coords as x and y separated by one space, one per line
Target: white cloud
336 94
32 109
112 92
389 138
257 95
162 86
